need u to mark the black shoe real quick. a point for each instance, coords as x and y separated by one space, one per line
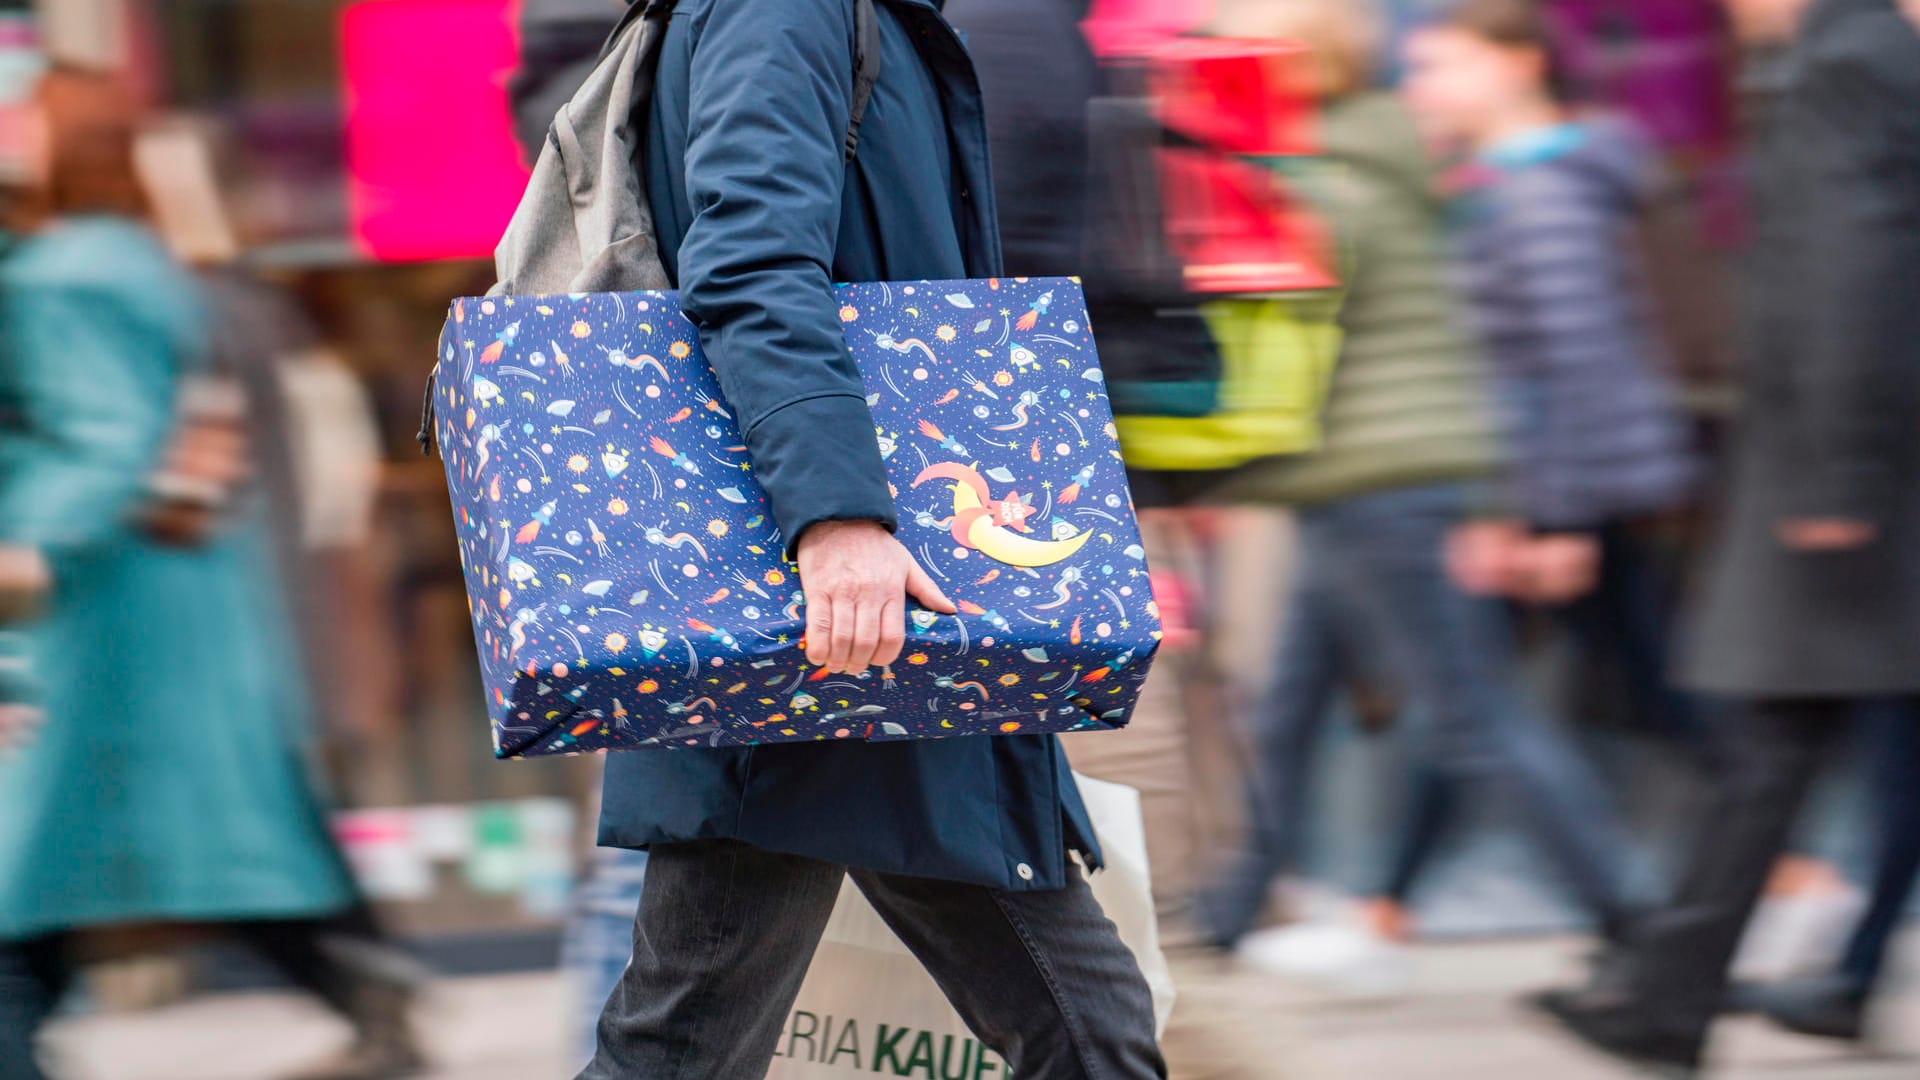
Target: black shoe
1821 1006
1616 1026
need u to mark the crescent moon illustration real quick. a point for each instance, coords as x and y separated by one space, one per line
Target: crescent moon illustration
975 529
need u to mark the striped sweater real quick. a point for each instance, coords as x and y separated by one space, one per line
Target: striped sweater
1548 263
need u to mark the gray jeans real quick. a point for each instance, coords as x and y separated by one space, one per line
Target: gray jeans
726 932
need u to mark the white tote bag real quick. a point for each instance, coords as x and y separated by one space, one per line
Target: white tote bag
868 1008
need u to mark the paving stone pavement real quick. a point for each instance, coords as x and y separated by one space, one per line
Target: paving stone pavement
1457 1022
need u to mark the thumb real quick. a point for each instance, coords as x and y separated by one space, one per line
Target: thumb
921 587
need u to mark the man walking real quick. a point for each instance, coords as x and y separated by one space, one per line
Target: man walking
1813 603
964 846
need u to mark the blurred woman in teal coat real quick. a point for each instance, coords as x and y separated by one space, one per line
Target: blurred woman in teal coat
168 783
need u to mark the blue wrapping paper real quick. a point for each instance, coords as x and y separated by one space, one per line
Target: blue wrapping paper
628 587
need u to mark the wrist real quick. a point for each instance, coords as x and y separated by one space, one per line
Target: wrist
821 530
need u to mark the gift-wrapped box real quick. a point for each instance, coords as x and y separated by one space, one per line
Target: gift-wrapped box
628 586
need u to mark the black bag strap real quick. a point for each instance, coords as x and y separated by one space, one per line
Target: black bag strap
866 69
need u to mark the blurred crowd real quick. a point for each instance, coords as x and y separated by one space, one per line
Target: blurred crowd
1562 355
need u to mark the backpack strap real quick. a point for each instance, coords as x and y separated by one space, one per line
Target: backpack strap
866 69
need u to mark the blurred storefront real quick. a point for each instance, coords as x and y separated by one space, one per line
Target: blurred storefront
359 152
362 153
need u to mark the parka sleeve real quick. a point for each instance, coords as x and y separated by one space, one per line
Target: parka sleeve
1562 257
771 88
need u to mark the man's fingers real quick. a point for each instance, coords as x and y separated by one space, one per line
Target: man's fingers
840 649
819 629
866 631
893 632
920 585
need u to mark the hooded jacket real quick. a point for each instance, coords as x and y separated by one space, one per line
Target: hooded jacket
1547 261
1410 401
759 212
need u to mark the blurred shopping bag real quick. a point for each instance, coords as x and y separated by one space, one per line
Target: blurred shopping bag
628 585
1208 229
868 1007
1235 110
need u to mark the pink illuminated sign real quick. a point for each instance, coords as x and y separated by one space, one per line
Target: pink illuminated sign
433 170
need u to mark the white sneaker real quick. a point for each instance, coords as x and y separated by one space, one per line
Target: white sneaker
1333 956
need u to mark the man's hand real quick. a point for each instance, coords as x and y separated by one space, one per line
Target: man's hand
17 726
1562 568
24 582
857 578
206 461
1826 534
1485 558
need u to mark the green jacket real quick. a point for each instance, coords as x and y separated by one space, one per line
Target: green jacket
1410 402
169 781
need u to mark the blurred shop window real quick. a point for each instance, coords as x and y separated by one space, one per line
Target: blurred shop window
336 450
85 31
433 171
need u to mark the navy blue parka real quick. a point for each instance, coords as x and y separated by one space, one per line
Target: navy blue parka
759 214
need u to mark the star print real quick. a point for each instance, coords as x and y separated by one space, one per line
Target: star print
1046 485
1010 512
1084 444
1054 625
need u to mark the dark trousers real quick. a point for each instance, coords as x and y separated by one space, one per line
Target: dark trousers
1893 740
36 973
1677 963
726 932
1624 618
1372 575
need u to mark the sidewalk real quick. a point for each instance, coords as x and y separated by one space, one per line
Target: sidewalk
1458 1023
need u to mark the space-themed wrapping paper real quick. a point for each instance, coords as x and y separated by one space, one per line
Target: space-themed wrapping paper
628 585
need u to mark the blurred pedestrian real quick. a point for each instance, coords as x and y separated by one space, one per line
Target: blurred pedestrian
766 186
1831 1003
1039 76
1812 597
170 783
1548 207
1410 442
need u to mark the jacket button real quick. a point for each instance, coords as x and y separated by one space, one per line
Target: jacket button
1025 872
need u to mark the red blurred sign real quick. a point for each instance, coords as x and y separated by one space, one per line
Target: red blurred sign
1238 110
433 170
1239 96
1119 28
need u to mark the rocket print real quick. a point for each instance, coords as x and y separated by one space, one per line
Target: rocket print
628 583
